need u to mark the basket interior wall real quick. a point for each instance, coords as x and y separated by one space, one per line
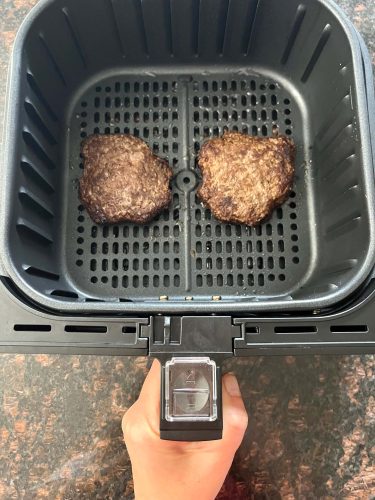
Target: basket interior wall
177 73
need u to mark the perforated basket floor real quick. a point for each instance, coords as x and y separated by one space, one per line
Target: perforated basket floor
185 252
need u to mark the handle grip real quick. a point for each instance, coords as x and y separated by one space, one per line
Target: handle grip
191 405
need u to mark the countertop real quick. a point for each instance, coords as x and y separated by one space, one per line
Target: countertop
312 419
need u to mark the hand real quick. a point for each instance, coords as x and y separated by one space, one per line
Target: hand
180 470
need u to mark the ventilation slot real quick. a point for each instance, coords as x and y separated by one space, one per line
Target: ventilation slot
74 34
168 26
317 53
32 328
129 329
142 26
251 23
34 233
296 329
349 329
39 94
39 179
223 21
41 273
52 59
34 145
35 117
343 225
251 330
85 329
300 15
64 293
33 203
117 29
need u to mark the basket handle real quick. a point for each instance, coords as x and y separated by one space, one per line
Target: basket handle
191 350
191 407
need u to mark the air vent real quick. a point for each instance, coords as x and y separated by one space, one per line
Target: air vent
85 329
129 329
41 273
296 329
64 293
32 328
349 328
251 329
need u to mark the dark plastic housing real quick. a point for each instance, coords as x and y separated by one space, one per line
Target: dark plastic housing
176 73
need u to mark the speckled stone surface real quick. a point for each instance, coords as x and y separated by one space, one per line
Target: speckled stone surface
312 419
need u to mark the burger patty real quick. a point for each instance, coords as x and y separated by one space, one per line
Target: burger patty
245 178
123 180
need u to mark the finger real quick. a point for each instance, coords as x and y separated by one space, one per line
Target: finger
235 418
149 397
141 421
151 385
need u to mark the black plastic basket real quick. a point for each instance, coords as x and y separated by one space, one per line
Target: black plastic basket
176 72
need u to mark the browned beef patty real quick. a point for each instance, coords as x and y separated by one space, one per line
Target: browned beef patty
123 180
244 177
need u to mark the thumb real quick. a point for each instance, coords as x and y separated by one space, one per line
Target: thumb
234 413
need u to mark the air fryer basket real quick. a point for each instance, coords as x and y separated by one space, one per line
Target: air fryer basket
176 73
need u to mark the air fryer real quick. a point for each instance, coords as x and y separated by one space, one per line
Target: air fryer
186 288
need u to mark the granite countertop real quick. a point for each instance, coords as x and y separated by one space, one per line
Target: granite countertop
312 419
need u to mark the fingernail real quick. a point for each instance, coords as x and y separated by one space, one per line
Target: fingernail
231 385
